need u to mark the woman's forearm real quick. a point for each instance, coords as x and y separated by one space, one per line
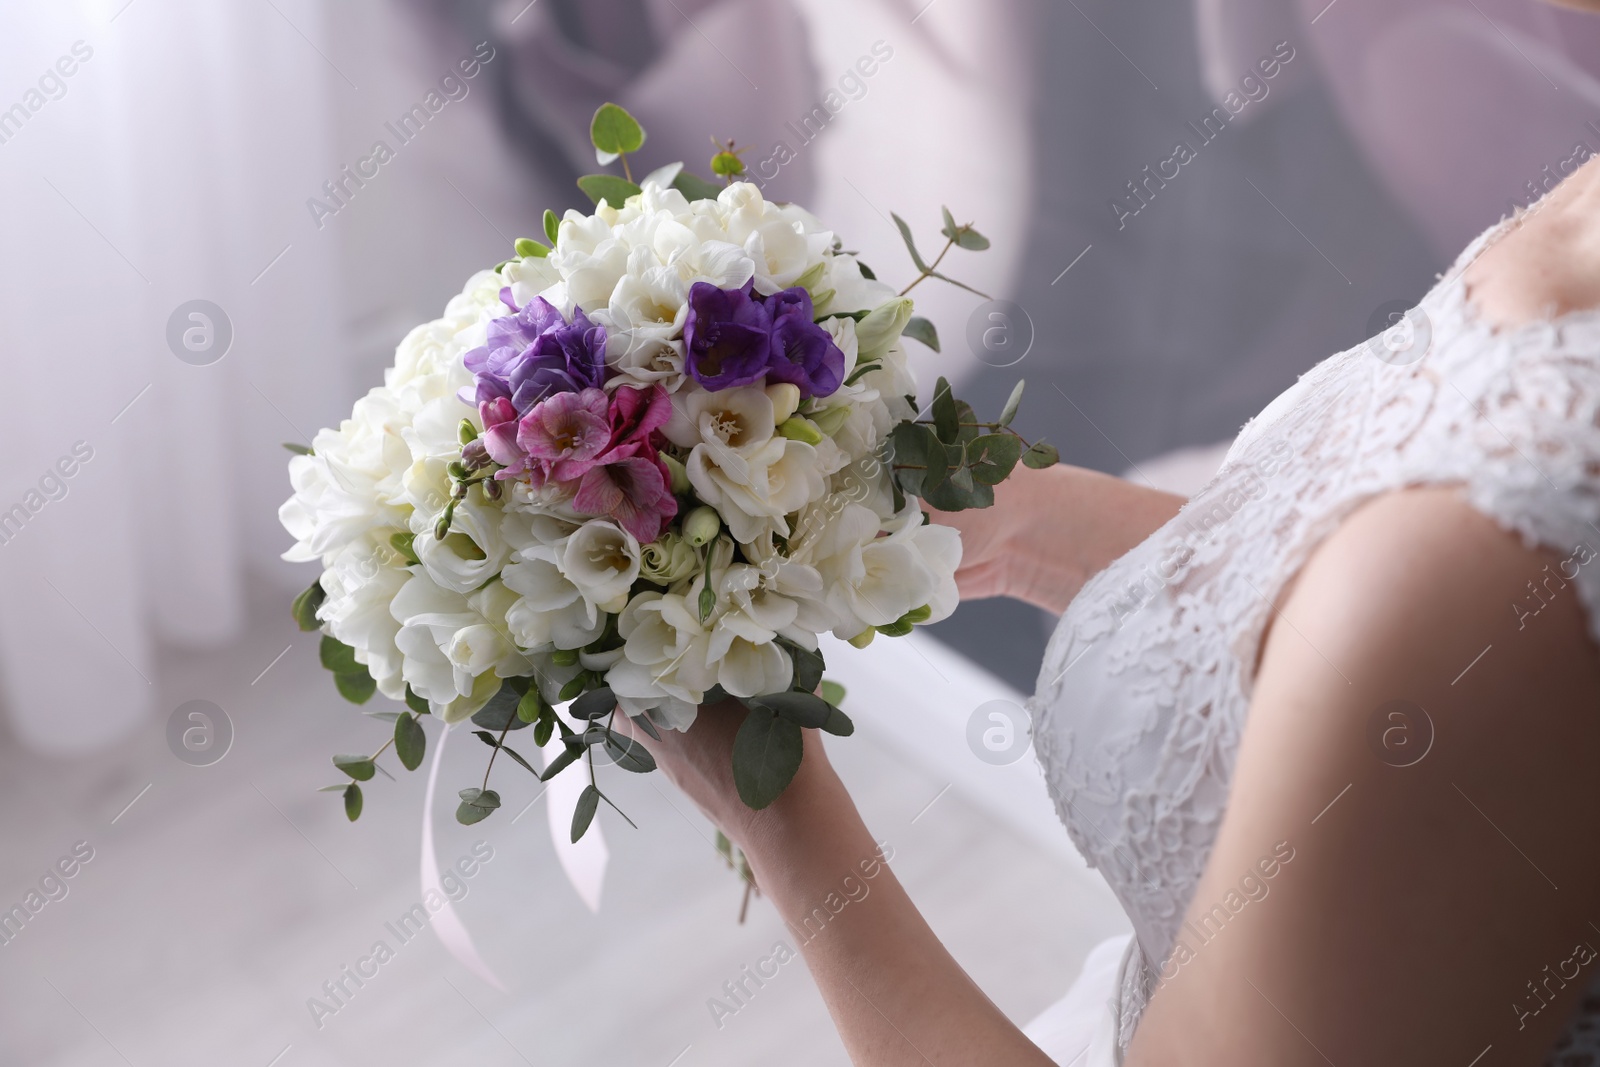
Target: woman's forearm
1066 524
895 993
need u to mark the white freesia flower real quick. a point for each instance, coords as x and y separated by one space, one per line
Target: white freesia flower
665 653
602 560
456 647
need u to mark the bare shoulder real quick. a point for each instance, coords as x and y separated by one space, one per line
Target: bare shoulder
1550 263
1423 752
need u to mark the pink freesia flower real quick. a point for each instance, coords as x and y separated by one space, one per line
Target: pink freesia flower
635 492
500 437
565 435
628 482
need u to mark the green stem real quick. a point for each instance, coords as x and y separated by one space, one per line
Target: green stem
928 271
492 755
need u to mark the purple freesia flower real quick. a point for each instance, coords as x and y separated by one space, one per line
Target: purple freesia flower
535 353
726 336
801 352
736 337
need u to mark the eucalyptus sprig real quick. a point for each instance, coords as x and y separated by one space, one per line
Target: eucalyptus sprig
953 461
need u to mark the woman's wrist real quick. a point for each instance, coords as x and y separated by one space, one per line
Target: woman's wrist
1068 524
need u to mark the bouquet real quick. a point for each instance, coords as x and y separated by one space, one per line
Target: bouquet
639 467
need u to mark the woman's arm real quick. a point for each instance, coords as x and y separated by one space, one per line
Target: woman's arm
1374 897
895 993
1050 531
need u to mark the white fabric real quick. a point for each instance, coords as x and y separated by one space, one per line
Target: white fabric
1143 693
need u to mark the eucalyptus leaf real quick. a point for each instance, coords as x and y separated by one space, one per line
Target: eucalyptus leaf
959 285
766 756
911 243
306 604
531 706
643 722
355 686
992 457
615 131
1013 402
593 704
921 329
608 187
500 713
542 731
866 271
1040 455
583 813
476 805
338 657
552 226
415 702
911 444
971 240
360 768
969 422
832 692
573 688
951 230
386 716
804 709
495 743
693 187
946 496
569 755
352 802
808 667
629 754
946 416
410 741
298 449
838 724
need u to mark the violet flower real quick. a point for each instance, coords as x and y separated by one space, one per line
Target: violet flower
534 353
726 336
801 352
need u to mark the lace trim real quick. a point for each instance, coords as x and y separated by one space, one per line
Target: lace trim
1140 765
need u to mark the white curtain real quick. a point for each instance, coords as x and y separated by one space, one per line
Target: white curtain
170 166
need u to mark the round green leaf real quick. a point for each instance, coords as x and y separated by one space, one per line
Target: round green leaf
352 802
355 686
992 457
766 756
583 814
608 187
306 605
1041 455
410 741
361 768
1013 402
613 130
338 657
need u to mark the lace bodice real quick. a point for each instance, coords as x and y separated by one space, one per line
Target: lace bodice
1142 697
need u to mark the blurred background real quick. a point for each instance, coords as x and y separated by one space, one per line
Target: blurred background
164 157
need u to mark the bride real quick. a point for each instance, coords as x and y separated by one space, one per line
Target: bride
1329 729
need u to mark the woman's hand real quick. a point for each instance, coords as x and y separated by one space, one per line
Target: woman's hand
699 761
1050 531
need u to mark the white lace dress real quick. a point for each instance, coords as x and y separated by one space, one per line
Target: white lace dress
1142 697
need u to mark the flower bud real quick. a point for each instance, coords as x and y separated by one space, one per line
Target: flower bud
564 657
864 638
882 326
468 433
701 525
800 428
667 559
679 476
829 420
785 399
